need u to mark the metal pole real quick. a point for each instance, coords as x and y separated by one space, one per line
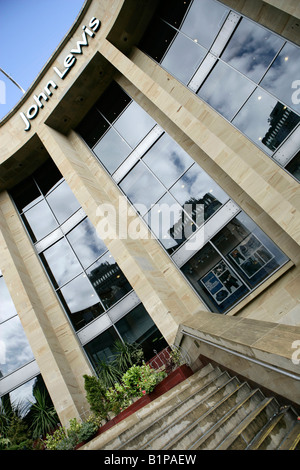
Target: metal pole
11 79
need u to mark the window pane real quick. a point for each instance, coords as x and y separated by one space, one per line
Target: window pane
183 58
7 308
194 188
113 101
138 327
142 188
284 71
252 49
39 221
294 166
169 223
266 121
157 39
225 90
92 127
60 262
47 177
26 194
251 252
173 11
134 124
81 301
87 245
204 20
214 280
108 280
102 347
15 351
63 202
112 150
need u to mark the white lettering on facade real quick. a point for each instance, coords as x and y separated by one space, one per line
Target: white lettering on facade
68 63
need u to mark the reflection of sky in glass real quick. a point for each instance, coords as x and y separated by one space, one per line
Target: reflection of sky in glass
79 294
7 308
195 183
204 21
15 349
251 49
225 90
183 58
63 202
283 72
134 124
141 187
112 150
62 261
23 395
254 119
41 220
167 160
86 243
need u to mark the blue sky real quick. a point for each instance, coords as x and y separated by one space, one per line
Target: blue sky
30 30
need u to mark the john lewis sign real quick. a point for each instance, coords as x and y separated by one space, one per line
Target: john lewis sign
69 62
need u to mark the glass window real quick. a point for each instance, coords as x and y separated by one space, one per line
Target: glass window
294 166
157 39
138 327
194 188
173 11
61 262
204 20
47 177
112 150
252 49
63 211
108 280
251 252
81 301
26 194
101 348
92 127
167 160
281 76
170 224
226 90
134 124
142 188
7 308
214 280
266 121
39 221
183 58
15 351
112 108
86 243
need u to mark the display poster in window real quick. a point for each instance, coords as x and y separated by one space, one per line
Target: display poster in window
220 282
251 256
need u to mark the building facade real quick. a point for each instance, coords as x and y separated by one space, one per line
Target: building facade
150 179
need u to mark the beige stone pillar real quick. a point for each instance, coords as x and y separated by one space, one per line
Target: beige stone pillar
158 283
54 344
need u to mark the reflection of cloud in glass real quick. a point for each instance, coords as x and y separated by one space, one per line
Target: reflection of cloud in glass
283 72
62 262
7 308
63 202
134 124
40 220
251 49
112 150
225 90
79 294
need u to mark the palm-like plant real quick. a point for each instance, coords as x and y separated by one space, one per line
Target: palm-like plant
42 417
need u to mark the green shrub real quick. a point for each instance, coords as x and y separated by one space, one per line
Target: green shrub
96 396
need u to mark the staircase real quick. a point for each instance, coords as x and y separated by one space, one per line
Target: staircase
211 411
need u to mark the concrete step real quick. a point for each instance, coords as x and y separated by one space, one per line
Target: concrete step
292 440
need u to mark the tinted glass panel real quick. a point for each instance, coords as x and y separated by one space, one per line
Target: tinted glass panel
102 347
112 150
214 280
252 49
225 90
39 221
86 243
294 166
134 124
251 252
284 71
265 120
26 194
81 301
157 39
92 127
47 177
183 58
138 327
108 280
63 202
204 20
196 187
61 263
142 188
113 101
173 11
